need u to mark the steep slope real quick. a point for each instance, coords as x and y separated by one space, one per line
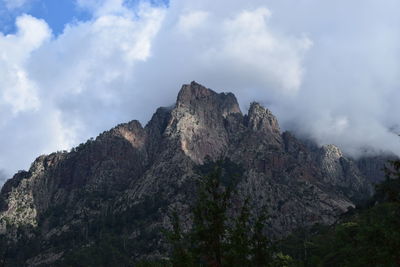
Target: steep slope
127 179
372 167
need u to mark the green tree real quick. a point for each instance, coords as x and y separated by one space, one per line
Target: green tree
389 190
217 238
180 255
209 219
239 240
259 243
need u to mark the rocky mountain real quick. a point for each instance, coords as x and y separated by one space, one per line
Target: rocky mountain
127 180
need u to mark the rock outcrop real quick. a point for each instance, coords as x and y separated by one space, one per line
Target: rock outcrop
131 176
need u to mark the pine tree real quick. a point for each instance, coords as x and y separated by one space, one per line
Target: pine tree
261 252
239 240
215 239
209 219
181 256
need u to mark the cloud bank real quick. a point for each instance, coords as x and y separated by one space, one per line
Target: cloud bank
329 71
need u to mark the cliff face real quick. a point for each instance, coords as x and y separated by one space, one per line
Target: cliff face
129 177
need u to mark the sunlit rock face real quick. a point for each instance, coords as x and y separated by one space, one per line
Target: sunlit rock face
198 120
130 176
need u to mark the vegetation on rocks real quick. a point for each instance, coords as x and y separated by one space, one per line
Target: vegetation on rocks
366 236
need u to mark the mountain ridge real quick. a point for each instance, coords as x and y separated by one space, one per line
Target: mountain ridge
139 173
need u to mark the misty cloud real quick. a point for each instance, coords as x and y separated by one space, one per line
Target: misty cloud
329 71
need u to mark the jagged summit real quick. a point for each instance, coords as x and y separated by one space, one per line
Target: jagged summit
195 95
193 91
262 119
130 176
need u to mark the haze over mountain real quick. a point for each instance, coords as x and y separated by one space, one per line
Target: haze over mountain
329 71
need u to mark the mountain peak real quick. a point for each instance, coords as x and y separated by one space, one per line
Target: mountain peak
196 96
262 119
193 91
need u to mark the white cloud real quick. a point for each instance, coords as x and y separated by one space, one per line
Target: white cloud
329 71
273 59
236 51
56 92
18 92
192 20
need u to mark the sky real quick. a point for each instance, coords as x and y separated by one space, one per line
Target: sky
70 69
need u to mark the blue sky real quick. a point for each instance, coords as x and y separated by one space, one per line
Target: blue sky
57 13
329 70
